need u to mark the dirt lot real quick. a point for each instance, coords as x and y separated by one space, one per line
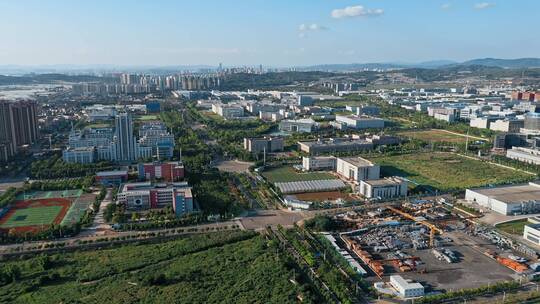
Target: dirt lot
234 166
323 196
265 218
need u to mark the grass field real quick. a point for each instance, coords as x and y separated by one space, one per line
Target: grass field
436 136
32 217
513 227
147 117
288 174
446 171
228 267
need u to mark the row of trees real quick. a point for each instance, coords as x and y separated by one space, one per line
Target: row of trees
55 167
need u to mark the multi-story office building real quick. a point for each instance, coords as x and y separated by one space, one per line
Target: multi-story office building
315 163
146 195
168 171
81 155
263 144
357 169
384 188
333 145
300 125
228 110
507 125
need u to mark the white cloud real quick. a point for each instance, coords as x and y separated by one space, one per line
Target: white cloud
483 5
356 11
446 6
311 27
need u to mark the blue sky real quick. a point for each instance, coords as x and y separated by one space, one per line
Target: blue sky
268 32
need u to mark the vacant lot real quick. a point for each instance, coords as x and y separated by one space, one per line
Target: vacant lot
446 171
232 267
513 227
436 136
288 174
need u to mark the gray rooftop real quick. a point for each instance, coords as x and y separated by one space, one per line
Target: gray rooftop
513 194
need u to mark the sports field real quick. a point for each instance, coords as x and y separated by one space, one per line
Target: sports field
288 174
446 171
35 214
31 195
437 136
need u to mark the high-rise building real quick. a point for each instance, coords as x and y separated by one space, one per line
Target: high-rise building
18 126
125 140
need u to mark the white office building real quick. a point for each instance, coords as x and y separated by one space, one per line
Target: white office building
406 288
384 188
357 169
531 233
314 163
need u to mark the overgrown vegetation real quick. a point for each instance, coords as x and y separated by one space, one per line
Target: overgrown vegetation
231 267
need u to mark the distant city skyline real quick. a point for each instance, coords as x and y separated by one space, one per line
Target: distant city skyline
272 33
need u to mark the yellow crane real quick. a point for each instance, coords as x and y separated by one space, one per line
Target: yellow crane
432 228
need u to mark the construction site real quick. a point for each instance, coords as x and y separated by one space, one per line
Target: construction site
433 243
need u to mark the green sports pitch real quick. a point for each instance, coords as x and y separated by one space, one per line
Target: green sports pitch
44 215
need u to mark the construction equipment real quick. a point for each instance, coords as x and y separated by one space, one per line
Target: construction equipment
432 228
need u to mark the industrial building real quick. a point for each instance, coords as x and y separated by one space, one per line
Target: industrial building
357 169
383 188
508 200
306 125
146 195
263 144
406 289
359 122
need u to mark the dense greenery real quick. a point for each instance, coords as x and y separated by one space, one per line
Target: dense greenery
245 81
232 267
55 167
321 223
212 189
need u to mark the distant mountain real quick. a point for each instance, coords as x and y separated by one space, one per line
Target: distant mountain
519 63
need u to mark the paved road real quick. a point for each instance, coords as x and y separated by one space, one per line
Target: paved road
99 226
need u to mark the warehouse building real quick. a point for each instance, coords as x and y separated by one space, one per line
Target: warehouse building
359 122
384 188
508 200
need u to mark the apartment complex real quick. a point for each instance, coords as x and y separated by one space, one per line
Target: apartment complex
18 126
